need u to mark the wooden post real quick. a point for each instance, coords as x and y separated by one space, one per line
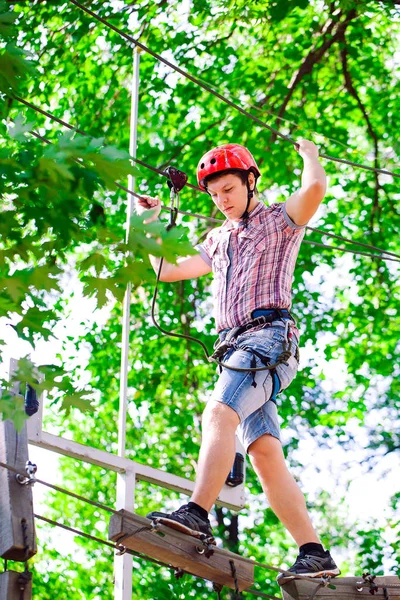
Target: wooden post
17 528
346 589
180 551
10 586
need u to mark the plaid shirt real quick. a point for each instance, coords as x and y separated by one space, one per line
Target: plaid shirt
253 266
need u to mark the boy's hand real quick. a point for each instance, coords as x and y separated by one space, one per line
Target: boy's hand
306 149
148 203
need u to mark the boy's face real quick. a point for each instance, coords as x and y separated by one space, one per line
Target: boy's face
230 195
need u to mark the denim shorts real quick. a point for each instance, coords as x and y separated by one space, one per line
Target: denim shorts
257 412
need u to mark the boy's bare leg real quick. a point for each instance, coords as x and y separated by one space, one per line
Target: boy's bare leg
283 494
217 452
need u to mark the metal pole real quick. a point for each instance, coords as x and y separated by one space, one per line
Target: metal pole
123 389
123 565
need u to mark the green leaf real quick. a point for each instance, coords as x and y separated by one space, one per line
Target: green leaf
95 260
19 127
76 400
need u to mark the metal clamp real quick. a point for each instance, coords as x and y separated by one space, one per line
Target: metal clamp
30 469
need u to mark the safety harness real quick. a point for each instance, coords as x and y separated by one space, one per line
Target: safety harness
225 343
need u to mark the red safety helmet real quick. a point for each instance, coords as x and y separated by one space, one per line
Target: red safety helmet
222 158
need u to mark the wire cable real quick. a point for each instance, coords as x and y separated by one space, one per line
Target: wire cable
378 256
195 215
126 515
220 96
62 490
114 546
119 547
81 132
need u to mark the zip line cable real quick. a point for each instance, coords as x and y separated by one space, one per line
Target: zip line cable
220 96
203 217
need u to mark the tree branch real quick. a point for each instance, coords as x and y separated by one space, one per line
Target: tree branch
200 133
353 92
314 56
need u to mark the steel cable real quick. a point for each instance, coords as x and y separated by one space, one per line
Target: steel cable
220 96
198 216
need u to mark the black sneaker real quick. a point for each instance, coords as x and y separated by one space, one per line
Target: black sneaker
311 565
185 519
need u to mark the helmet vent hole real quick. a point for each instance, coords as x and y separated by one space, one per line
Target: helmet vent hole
213 161
202 166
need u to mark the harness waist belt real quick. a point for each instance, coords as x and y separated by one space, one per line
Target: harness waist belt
266 315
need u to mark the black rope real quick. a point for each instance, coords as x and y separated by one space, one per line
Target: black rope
220 96
195 215
385 593
233 569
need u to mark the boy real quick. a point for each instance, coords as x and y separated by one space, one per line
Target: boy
252 257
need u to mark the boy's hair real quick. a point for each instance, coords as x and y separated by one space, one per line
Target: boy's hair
243 176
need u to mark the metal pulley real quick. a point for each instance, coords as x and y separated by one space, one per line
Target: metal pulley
176 182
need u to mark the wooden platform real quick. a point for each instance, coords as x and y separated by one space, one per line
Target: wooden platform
180 551
345 590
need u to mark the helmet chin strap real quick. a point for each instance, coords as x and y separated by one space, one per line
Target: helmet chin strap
250 195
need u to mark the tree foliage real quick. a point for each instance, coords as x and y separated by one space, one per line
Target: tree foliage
322 70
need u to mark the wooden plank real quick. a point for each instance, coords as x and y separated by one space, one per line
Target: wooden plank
179 550
232 498
346 589
10 589
15 499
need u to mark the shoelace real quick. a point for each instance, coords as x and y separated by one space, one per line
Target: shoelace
186 512
309 561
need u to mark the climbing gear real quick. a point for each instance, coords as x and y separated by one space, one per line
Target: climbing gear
176 182
265 317
176 179
187 520
223 345
310 565
236 474
31 470
31 402
225 158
